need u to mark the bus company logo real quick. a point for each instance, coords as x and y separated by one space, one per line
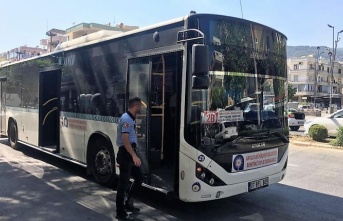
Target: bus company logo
238 163
196 187
64 122
256 145
201 158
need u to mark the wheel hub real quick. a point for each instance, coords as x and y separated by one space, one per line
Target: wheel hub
103 162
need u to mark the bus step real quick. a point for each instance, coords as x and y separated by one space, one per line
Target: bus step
52 149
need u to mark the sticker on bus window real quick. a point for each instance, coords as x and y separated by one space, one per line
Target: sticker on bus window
212 117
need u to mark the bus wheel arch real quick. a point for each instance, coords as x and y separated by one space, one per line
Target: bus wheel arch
13 133
101 159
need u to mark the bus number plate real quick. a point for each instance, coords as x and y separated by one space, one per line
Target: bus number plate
256 184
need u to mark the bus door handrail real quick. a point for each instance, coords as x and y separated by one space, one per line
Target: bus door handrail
46 115
50 101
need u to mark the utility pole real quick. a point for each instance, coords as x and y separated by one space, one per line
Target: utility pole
316 74
49 33
330 105
332 59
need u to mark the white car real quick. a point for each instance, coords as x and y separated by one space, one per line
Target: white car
296 119
226 131
331 122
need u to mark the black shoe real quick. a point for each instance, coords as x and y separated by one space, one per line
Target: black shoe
131 208
124 216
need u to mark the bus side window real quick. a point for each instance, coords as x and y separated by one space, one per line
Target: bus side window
98 105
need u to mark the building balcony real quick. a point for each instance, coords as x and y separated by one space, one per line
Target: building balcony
301 82
304 93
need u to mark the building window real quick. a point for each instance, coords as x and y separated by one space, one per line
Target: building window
328 69
296 78
339 71
296 67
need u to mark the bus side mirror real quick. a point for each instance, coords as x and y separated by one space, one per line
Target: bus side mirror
200 67
200 64
200 82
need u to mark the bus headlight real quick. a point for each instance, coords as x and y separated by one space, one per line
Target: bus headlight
208 177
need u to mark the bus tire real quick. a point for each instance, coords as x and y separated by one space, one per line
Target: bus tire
13 135
102 163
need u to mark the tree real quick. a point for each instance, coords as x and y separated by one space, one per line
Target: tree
291 92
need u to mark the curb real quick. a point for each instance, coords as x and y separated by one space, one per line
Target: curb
315 144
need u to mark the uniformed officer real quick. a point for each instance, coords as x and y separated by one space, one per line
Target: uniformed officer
129 162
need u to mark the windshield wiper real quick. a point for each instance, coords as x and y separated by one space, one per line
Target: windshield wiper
260 135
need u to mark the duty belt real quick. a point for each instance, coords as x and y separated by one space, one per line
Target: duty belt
133 145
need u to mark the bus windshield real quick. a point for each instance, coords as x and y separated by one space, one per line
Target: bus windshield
247 95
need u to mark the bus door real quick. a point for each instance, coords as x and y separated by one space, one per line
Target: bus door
138 81
49 98
153 80
3 105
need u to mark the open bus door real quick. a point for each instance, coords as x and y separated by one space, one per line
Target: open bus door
153 79
49 99
3 105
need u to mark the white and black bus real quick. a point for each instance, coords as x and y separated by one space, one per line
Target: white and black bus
203 133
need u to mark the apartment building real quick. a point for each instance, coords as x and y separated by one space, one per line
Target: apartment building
313 81
56 36
84 29
22 52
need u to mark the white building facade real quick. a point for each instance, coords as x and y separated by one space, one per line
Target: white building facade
314 82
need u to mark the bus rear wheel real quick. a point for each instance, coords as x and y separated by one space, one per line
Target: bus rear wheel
13 135
102 163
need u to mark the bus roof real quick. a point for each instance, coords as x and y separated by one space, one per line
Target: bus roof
103 36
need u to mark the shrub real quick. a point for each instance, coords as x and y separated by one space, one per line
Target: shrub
318 132
339 138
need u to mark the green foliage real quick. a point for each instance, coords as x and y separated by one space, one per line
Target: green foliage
318 132
219 98
339 138
291 92
298 51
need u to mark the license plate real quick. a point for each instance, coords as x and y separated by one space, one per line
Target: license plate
300 122
256 184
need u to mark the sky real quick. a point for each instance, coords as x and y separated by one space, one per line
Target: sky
304 22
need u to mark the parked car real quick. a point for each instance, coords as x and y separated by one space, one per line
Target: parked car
296 119
226 131
304 107
252 107
331 122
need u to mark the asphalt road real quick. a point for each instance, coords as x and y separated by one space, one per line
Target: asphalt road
35 186
299 132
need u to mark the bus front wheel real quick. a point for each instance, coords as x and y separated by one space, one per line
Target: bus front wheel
102 163
13 135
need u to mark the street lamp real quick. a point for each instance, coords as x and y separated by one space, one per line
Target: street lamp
331 62
337 40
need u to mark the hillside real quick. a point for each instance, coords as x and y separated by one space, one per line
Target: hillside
298 51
